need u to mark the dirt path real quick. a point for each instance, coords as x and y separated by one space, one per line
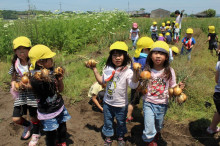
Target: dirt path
84 129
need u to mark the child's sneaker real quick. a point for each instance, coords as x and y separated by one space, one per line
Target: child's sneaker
61 144
27 132
210 131
128 120
34 139
121 141
108 141
152 143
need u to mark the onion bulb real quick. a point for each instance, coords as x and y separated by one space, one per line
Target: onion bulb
177 90
181 98
17 85
25 79
145 75
90 63
136 66
45 73
37 75
59 71
170 90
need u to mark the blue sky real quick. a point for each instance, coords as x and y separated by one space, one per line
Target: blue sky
190 6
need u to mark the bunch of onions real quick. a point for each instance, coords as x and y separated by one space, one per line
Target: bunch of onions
59 71
90 63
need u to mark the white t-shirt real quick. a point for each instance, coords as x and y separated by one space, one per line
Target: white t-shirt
217 87
179 20
116 89
134 34
153 28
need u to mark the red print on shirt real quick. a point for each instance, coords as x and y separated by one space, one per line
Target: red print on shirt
157 87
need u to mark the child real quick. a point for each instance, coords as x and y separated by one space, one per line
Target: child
168 37
143 48
156 100
96 95
153 30
168 24
187 43
24 98
163 29
161 37
174 51
213 128
134 34
117 76
179 17
51 110
176 33
173 27
212 39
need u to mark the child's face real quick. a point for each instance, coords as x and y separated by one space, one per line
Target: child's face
158 58
188 35
47 63
22 53
117 59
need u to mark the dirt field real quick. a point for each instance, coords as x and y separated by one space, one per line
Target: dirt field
84 129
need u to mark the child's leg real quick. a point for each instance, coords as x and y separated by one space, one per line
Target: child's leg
120 114
160 111
107 129
149 122
61 133
216 117
34 120
51 138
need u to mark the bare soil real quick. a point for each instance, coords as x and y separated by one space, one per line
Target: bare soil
84 128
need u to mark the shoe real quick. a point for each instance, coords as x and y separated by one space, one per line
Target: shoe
27 132
152 143
61 144
128 120
121 141
210 131
108 142
156 137
34 139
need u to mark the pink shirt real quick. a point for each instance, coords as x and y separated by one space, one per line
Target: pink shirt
158 87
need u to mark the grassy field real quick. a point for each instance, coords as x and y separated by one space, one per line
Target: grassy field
199 85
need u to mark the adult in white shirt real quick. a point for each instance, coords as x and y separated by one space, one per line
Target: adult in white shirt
179 16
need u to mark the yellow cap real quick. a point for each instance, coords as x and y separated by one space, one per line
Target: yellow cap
174 21
175 49
160 34
168 22
143 42
160 46
119 45
189 30
177 25
21 41
167 27
211 29
38 52
167 33
163 24
154 23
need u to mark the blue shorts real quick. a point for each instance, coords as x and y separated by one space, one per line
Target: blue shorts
53 124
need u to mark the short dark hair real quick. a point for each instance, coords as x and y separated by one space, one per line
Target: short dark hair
127 59
177 12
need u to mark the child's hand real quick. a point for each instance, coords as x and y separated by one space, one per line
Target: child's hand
136 75
25 86
181 85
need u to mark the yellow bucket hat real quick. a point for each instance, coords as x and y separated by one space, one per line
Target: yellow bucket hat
175 49
119 45
167 33
177 25
189 31
21 41
143 42
211 29
160 46
38 52
163 24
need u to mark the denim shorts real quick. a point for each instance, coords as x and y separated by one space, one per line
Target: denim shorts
53 124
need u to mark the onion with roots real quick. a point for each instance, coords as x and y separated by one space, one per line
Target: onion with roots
177 90
17 86
145 75
170 91
90 63
25 79
37 75
181 98
45 73
59 71
136 66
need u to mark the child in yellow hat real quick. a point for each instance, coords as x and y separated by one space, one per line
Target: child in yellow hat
24 97
153 30
187 43
47 87
212 39
155 101
176 34
163 28
117 75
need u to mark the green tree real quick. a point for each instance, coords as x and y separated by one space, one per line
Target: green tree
142 9
173 14
211 12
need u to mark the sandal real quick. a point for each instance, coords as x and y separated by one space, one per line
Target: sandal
128 120
210 131
108 142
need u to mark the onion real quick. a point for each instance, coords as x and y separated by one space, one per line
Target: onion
45 73
90 63
17 86
177 90
59 71
37 75
170 91
25 79
145 75
136 66
181 98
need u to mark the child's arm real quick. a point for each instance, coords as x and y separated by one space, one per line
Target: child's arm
60 85
94 99
136 76
97 76
130 36
216 76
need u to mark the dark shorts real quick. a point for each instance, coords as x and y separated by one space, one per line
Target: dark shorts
135 97
19 111
213 45
216 98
